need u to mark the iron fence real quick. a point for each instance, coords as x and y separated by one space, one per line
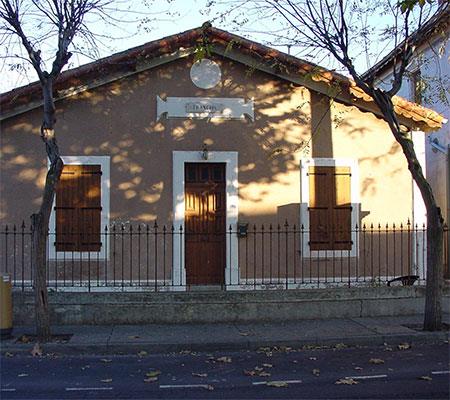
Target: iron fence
279 256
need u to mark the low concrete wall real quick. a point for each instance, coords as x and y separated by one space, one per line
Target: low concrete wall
218 306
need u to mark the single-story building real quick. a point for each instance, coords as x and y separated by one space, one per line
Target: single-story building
247 166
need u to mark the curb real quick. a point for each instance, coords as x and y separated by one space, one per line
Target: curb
250 345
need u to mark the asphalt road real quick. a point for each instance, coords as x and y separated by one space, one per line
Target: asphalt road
420 372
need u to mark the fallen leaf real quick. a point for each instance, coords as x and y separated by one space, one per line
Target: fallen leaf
313 358
244 333
22 375
426 378
8 354
376 361
267 365
258 369
344 381
152 374
264 373
36 351
24 339
107 380
263 349
404 346
133 337
277 384
249 372
151 379
316 372
85 367
208 387
340 346
224 359
295 361
199 375
105 360
358 368
142 353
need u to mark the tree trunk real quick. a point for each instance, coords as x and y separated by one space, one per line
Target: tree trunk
39 245
435 222
40 221
433 295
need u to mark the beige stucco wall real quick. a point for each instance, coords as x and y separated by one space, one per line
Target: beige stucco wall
119 119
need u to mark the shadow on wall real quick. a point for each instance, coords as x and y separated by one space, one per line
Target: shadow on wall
119 120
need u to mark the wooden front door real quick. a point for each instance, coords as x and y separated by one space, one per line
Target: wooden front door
205 223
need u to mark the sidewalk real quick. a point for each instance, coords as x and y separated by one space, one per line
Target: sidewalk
131 339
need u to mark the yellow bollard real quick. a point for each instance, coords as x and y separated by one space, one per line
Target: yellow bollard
5 307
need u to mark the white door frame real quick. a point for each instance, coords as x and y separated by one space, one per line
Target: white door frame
230 158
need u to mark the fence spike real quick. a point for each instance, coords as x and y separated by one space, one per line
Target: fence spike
106 228
139 228
164 229
155 225
14 228
23 224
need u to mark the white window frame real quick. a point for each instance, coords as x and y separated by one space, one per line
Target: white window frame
230 158
104 162
304 204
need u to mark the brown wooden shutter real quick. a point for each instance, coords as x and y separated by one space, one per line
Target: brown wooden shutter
78 208
329 208
342 209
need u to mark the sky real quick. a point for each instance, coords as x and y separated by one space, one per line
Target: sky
183 15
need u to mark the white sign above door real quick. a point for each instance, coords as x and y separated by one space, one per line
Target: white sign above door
204 107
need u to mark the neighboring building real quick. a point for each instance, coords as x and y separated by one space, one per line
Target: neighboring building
247 135
427 82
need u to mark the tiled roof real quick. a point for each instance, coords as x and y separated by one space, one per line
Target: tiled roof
126 62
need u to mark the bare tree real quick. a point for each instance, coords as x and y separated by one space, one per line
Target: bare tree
343 30
35 23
